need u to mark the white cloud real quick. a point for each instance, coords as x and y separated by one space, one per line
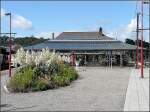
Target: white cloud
146 36
2 12
18 21
47 35
131 26
21 22
127 31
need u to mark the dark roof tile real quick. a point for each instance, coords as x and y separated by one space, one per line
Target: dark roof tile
82 36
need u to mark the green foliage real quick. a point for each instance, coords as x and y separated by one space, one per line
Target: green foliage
24 41
61 81
22 80
31 78
4 40
61 68
70 73
41 71
53 68
27 41
133 42
43 84
130 41
146 45
66 75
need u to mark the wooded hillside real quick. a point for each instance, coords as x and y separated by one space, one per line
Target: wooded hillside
23 41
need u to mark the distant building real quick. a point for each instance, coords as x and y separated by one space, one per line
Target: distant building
90 48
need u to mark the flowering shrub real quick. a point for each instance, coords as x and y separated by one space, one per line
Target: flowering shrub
20 57
41 71
45 57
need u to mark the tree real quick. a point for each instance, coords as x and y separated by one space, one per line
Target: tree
23 41
130 41
146 45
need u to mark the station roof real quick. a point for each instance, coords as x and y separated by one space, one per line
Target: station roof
83 36
83 45
83 41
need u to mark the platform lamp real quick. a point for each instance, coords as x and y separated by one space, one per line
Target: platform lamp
9 14
142 9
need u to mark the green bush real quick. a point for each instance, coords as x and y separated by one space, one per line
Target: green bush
22 81
53 68
41 71
65 76
43 84
30 78
61 81
70 73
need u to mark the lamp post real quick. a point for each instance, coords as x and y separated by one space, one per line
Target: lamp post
9 14
142 71
142 57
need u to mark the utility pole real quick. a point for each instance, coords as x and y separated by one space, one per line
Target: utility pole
137 41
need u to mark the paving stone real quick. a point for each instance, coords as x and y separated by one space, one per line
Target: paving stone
137 97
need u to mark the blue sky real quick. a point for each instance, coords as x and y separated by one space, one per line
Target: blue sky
40 18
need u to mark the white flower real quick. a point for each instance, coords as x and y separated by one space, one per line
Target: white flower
63 58
68 60
49 62
14 60
45 57
59 57
20 56
28 58
37 61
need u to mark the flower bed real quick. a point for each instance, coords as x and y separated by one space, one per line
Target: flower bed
41 71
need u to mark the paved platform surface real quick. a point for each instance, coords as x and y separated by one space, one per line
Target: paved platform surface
97 89
137 97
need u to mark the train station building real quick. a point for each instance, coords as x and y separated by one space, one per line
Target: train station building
90 48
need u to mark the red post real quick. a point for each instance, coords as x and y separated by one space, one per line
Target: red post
142 72
73 58
137 42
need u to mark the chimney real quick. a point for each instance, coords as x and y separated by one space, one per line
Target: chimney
52 36
100 31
